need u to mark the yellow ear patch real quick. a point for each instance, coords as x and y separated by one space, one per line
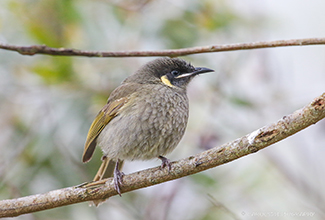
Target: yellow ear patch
166 81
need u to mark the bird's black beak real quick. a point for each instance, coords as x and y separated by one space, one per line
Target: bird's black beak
200 70
197 71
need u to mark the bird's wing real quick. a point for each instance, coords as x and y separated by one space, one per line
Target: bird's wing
109 111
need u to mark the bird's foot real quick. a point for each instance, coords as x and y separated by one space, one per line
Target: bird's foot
118 179
165 163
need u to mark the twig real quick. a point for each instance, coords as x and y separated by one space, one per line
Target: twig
251 143
42 49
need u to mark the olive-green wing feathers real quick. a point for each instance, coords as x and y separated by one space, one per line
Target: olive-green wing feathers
109 111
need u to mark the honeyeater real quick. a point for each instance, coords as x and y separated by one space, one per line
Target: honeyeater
144 118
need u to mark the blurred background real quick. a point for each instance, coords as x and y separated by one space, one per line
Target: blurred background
47 104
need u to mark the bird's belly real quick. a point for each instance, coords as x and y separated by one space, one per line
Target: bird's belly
146 130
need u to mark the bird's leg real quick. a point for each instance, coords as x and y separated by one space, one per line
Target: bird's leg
118 175
165 163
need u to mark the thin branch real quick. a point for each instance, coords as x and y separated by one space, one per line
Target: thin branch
250 143
42 49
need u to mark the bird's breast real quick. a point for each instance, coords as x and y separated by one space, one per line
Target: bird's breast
151 124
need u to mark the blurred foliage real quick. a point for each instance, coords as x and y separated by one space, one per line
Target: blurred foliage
47 103
184 30
52 23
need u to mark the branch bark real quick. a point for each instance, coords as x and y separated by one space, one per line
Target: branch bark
42 49
250 143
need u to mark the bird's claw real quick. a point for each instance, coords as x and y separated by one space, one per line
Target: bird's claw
118 179
165 163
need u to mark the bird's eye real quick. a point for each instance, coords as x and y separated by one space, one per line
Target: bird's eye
175 73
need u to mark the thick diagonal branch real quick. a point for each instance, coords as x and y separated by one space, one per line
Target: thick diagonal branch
250 143
42 49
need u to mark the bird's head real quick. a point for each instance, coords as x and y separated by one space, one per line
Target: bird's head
172 72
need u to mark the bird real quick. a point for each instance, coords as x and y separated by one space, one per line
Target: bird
144 118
